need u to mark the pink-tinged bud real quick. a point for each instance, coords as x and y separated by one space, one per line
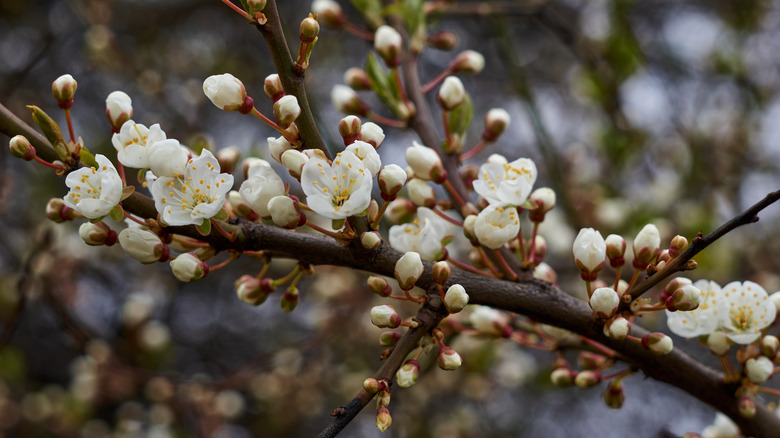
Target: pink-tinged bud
357 79
657 343
539 250
604 302
587 379
468 61
684 298
672 286
442 40
408 270
388 339
759 369
387 42
294 160
371 385
379 286
385 317
249 291
286 212
391 180
406 376
747 407
646 246
544 198
545 272
277 146
329 12
590 252
563 377
290 299
425 163
227 92
614 396
421 193
383 398
370 239
468 229
400 211
383 419
273 87
143 245
255 6
451 94
372 134
186 267
441 272
616 249
678 245
347 101
449 359
496 122
617 328
97 234
590 361
64 88
769 346
228 158
309 30
57 211
456 298
21 148
119 109
718 343
349 128
286 110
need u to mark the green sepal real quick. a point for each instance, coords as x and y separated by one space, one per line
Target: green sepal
142 176
117 213
51 130
459 120
87 158
446 240
384 86
126 192
529 205
337 224
97 219
221 215
204 228
414 19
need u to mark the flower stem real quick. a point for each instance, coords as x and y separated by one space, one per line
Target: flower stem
469 268
618 271
442 215
313 226
633 280
134 219
454 193
436 80
488 263
273 124
70 125
382 120
233 256
280 281
413 299
229 235
242 12
358 32
400 85
375 223
505 266
532 246
475 150
602 349
46 163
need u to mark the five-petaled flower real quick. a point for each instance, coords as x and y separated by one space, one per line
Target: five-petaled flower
701 321
133 143
500 181
745 309
94 191
337 190
427 235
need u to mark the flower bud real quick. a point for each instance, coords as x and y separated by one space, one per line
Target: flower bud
255 6
489 321
286 212
678 245
468 229
616 249
294 160
391 180
408 270
57 211
349 128
370 239
186 267
383 398
562 377
329 12
425 163
672 286
385 317
718 343
544 198
400 211
227 92
769 346
545 272
143 245
614 396
421 193
277 146
604 302
21 148
371 385
590 361
496 121
456 298
388 339
249 291
448 359
379 286
96 234
406 376
587 379
759 369
646 246
684 298
617 328
657 343
442 40
468 61
273 88
357 79
387 42
119 109
347 101
372 134
309 30
590 252
286 110
441 272
451 93
747 407
228 158
290 299
383 419
63 89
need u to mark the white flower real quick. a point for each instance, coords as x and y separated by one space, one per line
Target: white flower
509 182
261 185
225 91
367 155
94 192
590 250
496 225
372 134
420 192
285 212
425 235
744 310
759 369
408 269
339 190
604 302
722 427
451 93
187 267
119 108
141 244
168 158
701 321
133 143
197 195
425 163
385 317
277 147
456 298
488 320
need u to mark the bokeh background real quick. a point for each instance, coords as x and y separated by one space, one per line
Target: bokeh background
654 111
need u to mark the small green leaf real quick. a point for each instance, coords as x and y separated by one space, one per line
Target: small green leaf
142 176
414 19
385 87
205 227
337 224
87 158
371 10
49 128
460 117
221 216
126 192
529 205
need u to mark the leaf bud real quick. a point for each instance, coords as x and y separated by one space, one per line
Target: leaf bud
273 88
383 419
383 398
370 239
21 148
371 385
385 317
64 88
309 29
357 79
468 61
290 299
442 40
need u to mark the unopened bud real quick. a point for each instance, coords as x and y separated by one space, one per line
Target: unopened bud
349 128
387 42
448 359
286 110
329 12
425 163
347 101
290 299
286 212
186 267
759 369
614 396
678 245
228 158
604 302
544 198
255 6
371 385
294 160
383 398
21 148
249 291
769 346
441 272
562 377
646 246
391 180
388 339
357 79
718 343
408 270
587 379
468 61
421 193
379 286
451 94
616 249
370 239
407 375
747 407
400 211
590 361
456 298
119 109
383 419
617 328
63 89
143 245
684 298
273 87
443 40
385 317
657 343
496 122
96 234
309 29
372 134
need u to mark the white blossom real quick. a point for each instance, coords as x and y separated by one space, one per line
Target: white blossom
745 309
701 321
759 369
496 225
372 134
261 185
425 162
367 155
722 427
590 250
506 182
225 91
133 143
277 147
604 302
426 235
119 108
94 191
197 195
141 244
338 190
168 158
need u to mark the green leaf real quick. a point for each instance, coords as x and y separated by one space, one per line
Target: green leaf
414 19
205 227
384 86
459 120
529 205
371 10
142 176
221 216
126 192
116 213
50 130
87 158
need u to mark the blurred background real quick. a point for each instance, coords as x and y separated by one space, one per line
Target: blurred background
634 112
